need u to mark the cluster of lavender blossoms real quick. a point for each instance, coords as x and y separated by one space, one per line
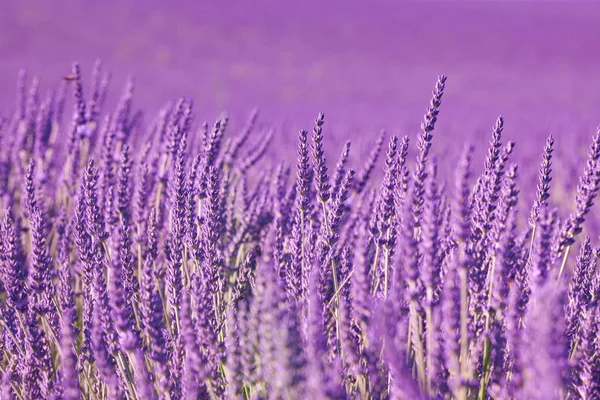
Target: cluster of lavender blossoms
164 264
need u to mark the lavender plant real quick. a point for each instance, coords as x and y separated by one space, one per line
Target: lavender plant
175 262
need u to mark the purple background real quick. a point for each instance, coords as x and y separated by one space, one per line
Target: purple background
367 64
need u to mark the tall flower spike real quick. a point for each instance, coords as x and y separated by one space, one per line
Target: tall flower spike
304 175
588 187
66 295
579 291
241 139
424 145
587 190
463 210
79 119
144 182
122 114
543 188
211 151
298 239
402 181
206 326
21 95
363 178
316 341
40 278
121 294
589 388
542 254
321 179
335 217
43 125
93 108
68 367
30 199
193 370
26 128
83 242
104 361
95 219
432 218
463 263
174 282
386 214
483 224
152 314
124 184
257 152
59 105
488 187
15 271
340 168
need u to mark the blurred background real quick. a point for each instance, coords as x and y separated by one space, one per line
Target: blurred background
368 65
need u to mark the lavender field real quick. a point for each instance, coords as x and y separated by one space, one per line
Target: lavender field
272 200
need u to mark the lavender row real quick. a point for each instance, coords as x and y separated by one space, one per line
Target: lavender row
176 262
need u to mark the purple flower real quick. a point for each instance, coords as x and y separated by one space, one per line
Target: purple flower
184 263
322 185
543 188
365 174
152 313
68 367
14 269
589 185
40 277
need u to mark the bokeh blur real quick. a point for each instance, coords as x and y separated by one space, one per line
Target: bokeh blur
367 65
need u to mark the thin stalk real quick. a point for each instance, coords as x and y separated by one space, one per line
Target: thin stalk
417 328
375 278
487 348
487 353
127 374
529 256
344 283
464 333
16 388
184 265
86 374
562 266
386 269
47 156
429 338
163 301
574 349
48 329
